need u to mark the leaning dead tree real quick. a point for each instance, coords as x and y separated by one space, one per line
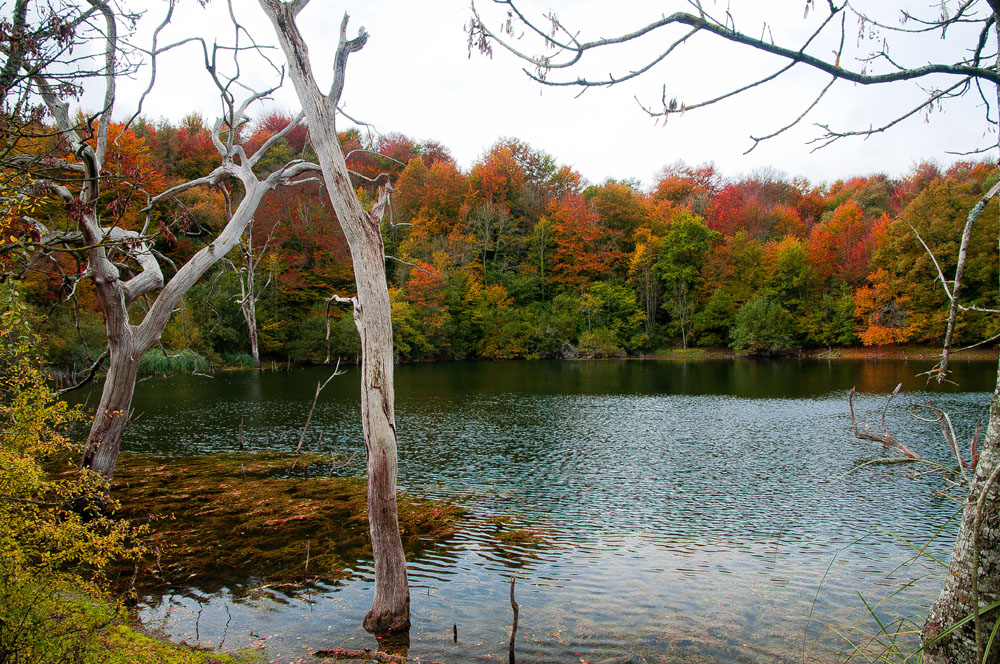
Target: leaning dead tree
390 610
842 42
121 263
953 288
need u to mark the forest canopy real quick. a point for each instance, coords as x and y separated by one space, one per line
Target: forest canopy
520 257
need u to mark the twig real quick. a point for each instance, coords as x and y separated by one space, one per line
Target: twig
948 431
319 388
513 627
334 467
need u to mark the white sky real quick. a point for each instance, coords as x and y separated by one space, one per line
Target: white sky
414 77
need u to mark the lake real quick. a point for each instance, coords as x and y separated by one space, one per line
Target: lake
703 509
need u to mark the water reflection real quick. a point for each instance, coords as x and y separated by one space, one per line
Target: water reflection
689 509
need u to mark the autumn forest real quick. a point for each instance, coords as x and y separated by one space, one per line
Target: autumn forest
520 257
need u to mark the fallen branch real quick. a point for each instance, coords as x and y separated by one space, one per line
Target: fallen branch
948 431
91 372
885 438
367 654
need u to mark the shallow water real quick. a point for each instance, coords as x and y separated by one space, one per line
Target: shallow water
700 509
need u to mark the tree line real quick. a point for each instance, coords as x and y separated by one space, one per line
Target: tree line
520 257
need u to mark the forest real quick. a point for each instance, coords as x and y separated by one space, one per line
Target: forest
520 256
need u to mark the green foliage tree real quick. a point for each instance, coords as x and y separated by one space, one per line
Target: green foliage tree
614 308
762 326
685 245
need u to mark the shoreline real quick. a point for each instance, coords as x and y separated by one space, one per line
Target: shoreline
904 353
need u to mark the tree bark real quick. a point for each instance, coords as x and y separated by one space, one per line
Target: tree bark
108 428
390 610
972 550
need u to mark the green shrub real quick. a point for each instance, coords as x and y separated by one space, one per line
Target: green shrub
55 606
52 559
762 326
600 343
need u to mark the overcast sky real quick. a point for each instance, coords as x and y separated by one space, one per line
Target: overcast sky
414 76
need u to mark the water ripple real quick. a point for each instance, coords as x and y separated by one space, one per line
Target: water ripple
681 508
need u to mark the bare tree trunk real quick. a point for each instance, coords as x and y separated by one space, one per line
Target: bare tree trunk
248 289
248 304
974 571
390 610
251 316
108 428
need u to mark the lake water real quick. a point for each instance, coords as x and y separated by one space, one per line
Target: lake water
698 509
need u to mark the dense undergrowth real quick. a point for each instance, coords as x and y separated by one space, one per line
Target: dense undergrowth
56 562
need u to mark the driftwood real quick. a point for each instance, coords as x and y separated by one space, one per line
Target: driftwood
948 431
940 416
885 438
368 655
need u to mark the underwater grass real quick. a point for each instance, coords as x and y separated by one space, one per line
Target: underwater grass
249 520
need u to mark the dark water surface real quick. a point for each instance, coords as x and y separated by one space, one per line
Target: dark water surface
702 509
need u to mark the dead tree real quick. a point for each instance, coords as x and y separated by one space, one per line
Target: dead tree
250 291
390 610
970 31
121 263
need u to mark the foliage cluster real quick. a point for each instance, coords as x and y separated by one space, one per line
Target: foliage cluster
55 605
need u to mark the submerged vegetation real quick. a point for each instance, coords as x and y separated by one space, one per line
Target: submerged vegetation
251 521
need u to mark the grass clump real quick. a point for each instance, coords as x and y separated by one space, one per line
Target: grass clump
155 361
238 360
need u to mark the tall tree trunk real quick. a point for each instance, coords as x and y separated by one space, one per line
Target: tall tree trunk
249 307
248 291
254 345
390 610
108 428
976 555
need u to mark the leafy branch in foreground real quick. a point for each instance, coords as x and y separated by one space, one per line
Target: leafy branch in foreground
52 559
